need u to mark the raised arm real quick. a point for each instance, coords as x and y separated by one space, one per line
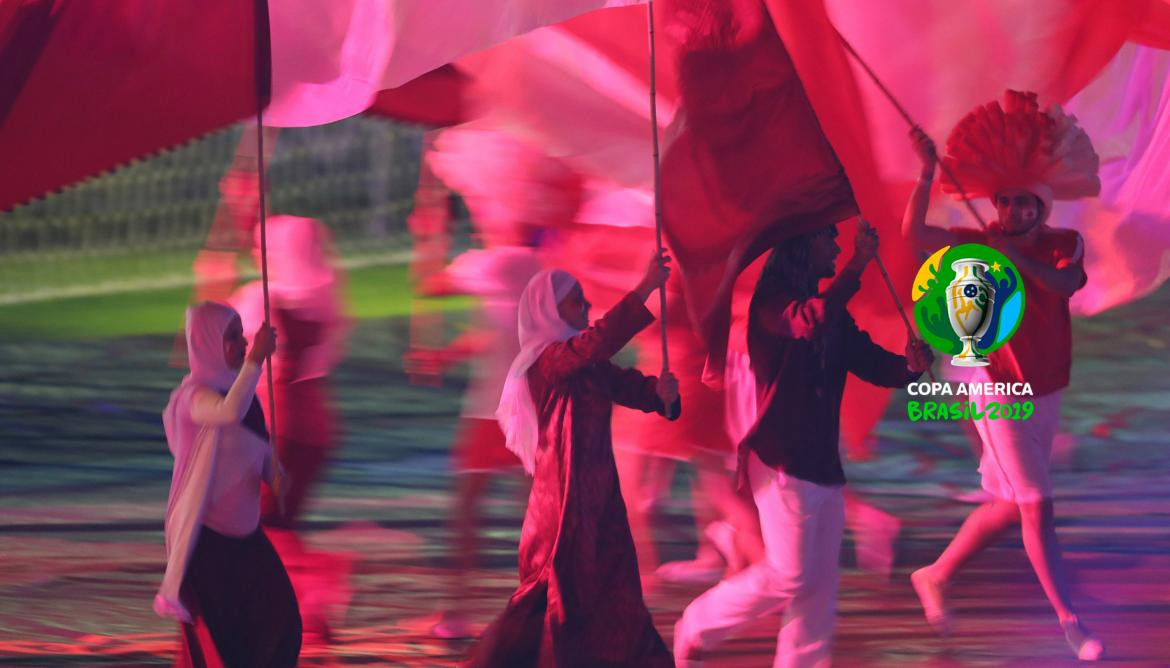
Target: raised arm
609 334
209 408
599 342
925 238
805 318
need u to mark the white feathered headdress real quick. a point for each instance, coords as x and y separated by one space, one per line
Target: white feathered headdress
1016 145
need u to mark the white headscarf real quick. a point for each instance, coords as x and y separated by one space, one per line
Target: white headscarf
206 323
540 325
193 446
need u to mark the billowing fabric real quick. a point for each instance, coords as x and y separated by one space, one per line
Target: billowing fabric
331 57
1072 53
540 325
564 87
152 80
579 602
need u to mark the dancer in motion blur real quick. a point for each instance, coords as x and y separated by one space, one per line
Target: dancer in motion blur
305 287
223 581
1007 153
801 343
496 274
580 599
647 452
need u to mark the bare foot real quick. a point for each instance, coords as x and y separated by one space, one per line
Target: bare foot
933 604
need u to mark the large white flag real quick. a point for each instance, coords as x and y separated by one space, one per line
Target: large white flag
330 57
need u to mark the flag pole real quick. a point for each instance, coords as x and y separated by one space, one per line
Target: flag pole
897 302
906 116
657 177
263 76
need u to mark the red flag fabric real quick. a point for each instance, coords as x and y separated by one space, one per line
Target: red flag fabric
437 99
87 86
751 155
826 73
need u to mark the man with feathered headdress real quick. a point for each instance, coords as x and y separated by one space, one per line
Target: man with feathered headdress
1023 158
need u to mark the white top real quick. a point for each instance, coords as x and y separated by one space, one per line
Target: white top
219 465
497 276
242 459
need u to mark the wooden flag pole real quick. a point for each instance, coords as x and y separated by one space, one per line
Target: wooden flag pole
898 304
906 115
657 177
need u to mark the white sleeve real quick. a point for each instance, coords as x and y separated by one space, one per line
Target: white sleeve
208 408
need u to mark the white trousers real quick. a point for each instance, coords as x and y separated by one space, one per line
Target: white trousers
802 524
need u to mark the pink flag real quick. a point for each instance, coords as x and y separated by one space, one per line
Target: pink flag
537 88
331 57
1074 54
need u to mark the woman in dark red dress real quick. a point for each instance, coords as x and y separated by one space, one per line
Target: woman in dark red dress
580 598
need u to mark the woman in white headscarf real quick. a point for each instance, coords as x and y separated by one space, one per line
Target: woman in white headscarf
580 598
305 288
223 580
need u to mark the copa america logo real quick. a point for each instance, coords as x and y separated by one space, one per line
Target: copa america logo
968 301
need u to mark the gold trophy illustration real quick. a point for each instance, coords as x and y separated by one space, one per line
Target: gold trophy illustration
970 303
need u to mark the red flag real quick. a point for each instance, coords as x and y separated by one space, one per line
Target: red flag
826 73
751 156
437 99
87 86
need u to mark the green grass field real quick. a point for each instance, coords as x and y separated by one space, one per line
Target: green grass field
373 292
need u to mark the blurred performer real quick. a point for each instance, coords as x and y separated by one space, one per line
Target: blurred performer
429 224
497 274
1022 158
727 526
305 294
874 530
802 344
580 600
223 579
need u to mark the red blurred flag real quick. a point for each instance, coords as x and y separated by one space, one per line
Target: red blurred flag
87 86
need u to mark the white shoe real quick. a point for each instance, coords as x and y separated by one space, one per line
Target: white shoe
452 625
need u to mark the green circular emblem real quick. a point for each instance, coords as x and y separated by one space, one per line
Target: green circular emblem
968 301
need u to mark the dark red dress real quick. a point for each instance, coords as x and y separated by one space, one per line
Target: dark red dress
580 598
